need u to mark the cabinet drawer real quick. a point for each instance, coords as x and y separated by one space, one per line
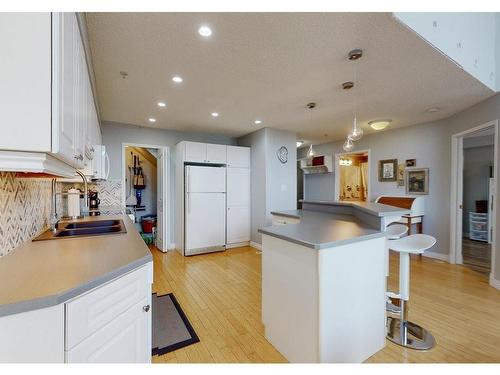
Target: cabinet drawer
92 311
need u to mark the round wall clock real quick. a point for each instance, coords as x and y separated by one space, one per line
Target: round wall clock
282 154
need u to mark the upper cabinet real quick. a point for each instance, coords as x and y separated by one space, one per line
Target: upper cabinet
196 152
238 157
47 100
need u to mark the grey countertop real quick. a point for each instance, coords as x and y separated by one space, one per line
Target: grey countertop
376 209
321 230
46 273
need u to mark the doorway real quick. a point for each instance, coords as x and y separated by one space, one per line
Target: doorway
473 193
145 190
353 176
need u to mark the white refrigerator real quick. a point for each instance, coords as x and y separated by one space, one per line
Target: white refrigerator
205 209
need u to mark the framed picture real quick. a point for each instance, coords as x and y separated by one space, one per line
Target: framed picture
401 175
417 181
411 163
387 170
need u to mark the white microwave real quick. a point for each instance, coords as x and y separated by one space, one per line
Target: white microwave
100 163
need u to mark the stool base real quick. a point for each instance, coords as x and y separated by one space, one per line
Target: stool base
413 336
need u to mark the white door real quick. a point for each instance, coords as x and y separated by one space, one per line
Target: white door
161 228
195 152
238 157
238 224
205 221
216 154
205 179
125 339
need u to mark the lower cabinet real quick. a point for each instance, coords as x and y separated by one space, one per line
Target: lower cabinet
127 338
238 224
108 324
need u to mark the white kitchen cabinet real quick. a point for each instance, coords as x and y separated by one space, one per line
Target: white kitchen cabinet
195 152
238 157
25 96
126 339
238 205
238 224
47 99
216 154
110 323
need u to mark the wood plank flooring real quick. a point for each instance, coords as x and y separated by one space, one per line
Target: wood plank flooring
221 295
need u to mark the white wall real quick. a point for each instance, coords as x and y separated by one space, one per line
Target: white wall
115 134
274 185
467 38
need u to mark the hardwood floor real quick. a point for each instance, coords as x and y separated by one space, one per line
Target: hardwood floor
477 255
220 294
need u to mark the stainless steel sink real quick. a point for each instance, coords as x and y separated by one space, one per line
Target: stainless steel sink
90 224
83 229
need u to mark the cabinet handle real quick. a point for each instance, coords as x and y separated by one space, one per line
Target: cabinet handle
146 308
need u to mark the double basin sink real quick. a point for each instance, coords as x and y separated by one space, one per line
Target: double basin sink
78 229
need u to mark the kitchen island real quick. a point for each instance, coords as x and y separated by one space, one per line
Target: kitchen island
323 283
80 299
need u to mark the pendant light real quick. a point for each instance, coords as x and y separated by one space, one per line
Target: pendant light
356 133
348 144
310 106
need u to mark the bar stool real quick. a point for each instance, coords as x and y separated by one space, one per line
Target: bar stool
393 232
400 330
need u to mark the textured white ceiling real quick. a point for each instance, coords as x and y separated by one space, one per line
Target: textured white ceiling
268 66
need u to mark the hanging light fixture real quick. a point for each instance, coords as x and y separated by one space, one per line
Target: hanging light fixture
348 144
356 133
310 106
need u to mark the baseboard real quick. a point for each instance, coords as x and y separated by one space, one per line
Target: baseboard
494 282
238 244
433 255
256 245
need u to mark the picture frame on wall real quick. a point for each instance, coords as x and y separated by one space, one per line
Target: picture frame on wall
417 181
387 170
401 174
411 163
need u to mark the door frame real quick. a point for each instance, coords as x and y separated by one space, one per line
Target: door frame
166 185
337 175
456 191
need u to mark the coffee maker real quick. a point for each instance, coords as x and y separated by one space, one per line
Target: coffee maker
93 200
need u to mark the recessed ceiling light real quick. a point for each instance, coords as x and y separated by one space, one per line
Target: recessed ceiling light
433 110
300 143
379 124
205 31
162 104
177 79
257 122
151 119
215 114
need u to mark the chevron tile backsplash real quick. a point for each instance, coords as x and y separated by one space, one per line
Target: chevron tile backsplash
24 209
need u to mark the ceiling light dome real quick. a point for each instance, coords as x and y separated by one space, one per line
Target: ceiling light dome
379 124
177 79
215 114
162 104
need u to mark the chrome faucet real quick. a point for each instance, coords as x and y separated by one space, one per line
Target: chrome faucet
85 188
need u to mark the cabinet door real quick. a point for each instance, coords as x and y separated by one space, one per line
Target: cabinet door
195 152
216 154
238 187
126 339
238 224
25 85
65 52
238 157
